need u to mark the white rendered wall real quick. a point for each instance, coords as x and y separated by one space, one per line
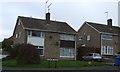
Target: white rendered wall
37 41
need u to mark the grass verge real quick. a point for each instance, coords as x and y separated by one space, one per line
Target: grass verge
46 64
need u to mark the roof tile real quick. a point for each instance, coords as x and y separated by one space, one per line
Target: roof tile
40 24
104 28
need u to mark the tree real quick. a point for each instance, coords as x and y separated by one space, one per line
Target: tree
7 44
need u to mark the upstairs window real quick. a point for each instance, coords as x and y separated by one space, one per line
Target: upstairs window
69 37
19 22
85 37
35 33
107 37
80 37
88 37
18 35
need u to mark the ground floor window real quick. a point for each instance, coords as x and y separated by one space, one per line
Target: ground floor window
40 50
67 52
107 50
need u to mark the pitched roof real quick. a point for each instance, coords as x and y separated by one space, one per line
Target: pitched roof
104 28
54 26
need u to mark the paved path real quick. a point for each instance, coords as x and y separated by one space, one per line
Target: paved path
82 69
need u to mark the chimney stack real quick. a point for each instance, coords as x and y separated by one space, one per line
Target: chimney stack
109 22
48 18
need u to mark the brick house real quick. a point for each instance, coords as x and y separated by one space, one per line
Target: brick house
101 38
53 39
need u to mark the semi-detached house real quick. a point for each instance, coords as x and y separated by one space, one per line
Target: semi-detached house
100 38
53 39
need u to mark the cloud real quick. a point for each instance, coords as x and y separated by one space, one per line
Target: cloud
76 1
74 12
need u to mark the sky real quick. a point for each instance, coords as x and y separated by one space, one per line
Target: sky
74 12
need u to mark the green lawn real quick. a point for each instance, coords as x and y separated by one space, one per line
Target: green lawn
60 64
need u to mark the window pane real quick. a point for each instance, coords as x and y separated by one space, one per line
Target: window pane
67 37
16 35
29 32
42 34
105 36
40 51
102 49
61 51
90 54
107 50
41 47
67 51
36 33
88 37
80 37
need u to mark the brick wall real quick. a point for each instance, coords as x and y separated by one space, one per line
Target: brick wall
22 38
52 47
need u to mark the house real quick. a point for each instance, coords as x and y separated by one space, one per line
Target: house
53 39
100 38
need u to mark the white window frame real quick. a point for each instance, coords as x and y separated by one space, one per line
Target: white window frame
68 55
40 47
69 37
106 36
18 35
107 50
29 33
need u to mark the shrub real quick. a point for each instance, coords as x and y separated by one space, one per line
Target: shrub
13 52
28 54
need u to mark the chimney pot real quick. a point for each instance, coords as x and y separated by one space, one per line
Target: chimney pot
109 22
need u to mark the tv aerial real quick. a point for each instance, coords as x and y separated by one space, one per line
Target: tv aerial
47 6
106 14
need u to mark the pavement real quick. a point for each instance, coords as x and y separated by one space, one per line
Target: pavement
81 68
